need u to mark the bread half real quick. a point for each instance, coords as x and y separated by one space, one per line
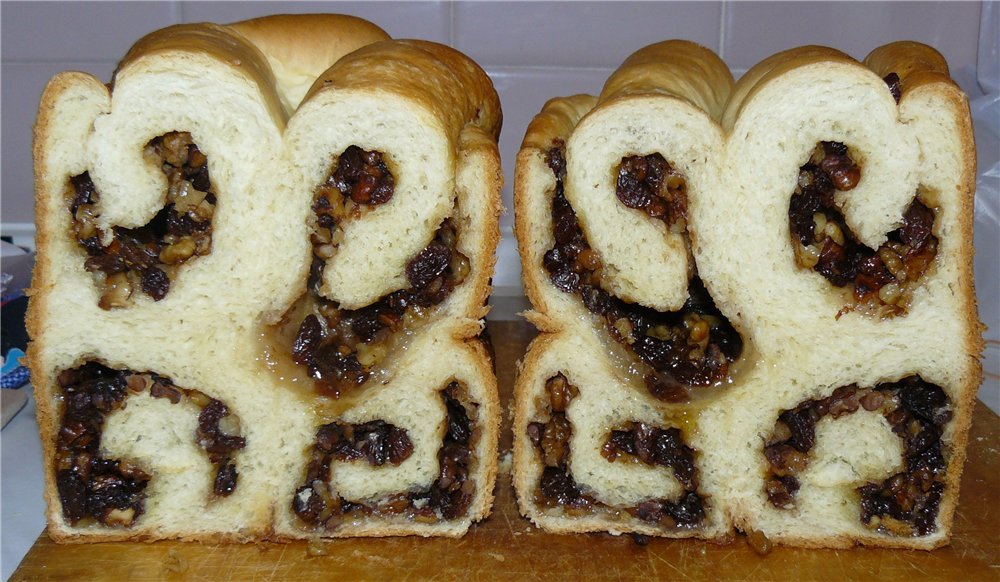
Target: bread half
825 253
255 312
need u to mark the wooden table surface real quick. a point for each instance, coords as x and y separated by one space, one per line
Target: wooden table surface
508 547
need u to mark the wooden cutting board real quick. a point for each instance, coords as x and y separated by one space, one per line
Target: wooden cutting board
507 547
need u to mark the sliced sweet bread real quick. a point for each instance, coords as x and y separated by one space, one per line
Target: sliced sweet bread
828 220
196 377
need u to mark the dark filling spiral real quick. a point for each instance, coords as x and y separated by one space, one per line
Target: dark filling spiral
447 498
690 347
146 258
883 280
906 503
637 442
112 491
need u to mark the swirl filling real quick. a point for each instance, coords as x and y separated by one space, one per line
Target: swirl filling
317 505
147 258
636 442
906 503
692 347
343 348
94 488
881 281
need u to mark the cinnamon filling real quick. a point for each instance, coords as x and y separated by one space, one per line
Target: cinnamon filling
905 504
448 498
147 258
636 442
694 346
112 491
881 281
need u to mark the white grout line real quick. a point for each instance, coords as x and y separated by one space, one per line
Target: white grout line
176 11
451 24
722 29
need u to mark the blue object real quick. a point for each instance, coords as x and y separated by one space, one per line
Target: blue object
13 374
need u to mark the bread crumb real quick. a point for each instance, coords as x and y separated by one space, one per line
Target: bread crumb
506 462
174 562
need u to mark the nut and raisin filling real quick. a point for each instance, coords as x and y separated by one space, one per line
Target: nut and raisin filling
320 507
343 348
904 504
694 346
358 180
551 439
665 447
637 442
146 259
881 281
94 488
651 184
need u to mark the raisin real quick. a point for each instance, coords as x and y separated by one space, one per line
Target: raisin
428 265
72 495
835 264
566 281
558 485
155 283
459 427
364 176
802 424
689 511
307 340
892 80
225 478
307 504
918 220
556 160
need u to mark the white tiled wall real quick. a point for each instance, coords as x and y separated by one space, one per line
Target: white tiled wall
532 50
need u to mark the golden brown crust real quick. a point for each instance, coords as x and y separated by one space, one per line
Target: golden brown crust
677 68
772 67
439 78
924 72
555 122
478 150
309 42
43 275
299 47
214 41
916 64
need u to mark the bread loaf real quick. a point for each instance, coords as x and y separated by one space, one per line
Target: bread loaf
264 252
756 300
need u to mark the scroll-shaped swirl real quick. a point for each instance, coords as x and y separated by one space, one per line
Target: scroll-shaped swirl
605 245
847 211
394 178
94 486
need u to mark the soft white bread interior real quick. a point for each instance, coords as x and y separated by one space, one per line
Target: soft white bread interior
238 121
225 94
674 84
374 99
807 344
